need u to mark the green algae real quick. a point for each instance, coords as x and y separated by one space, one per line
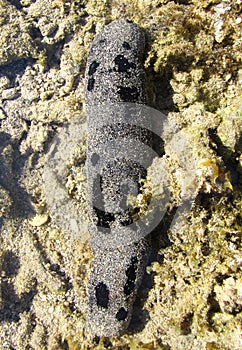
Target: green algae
16 42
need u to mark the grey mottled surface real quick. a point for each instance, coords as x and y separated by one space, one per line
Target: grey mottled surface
115 164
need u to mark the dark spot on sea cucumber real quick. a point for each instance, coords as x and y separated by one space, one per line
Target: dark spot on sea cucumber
104 218
121 314
126 45
93 67
131 216
123 64
102 295
128 94
90 84
102 41
95 158
131 276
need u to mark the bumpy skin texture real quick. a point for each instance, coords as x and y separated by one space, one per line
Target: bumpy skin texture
114 79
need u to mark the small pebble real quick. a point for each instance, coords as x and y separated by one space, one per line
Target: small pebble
39 220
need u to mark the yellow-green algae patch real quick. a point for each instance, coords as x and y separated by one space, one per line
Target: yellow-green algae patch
192 59
16 41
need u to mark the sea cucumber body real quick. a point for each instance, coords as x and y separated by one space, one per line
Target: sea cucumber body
116 161
114 70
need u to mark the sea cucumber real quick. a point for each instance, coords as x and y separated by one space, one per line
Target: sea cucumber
114 89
